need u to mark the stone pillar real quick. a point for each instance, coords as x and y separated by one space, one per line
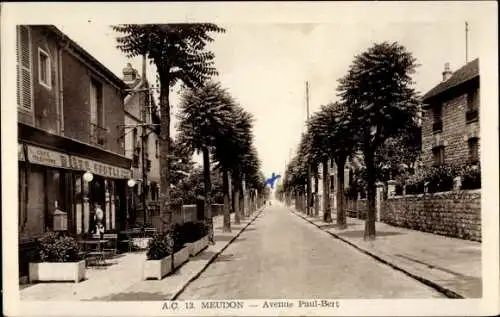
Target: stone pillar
391 188
379 192
457 183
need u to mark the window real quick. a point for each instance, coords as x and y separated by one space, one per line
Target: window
437 126
157 148
438 155
97 132
472 113
473 150
23 59
44 70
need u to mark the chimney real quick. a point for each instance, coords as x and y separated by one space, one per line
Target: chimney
447 72
129 74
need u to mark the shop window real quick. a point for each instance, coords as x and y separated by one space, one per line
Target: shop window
78 204
34 223
438 155
55 194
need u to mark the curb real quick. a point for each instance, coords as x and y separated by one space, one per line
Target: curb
196 275
443 290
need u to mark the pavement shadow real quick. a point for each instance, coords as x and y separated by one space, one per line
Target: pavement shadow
224 238
334 225
207 255
361 233
132 296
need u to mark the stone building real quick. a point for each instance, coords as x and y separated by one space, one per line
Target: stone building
141 134
450 127
70 154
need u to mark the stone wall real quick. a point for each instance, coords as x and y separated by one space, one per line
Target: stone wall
356 208
455 214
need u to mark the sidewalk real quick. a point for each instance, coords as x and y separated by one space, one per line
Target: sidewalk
123 280
450 265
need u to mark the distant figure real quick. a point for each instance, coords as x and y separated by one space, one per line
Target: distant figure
270 181
99 216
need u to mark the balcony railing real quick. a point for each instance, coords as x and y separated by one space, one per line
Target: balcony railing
98 134
437 126
471 116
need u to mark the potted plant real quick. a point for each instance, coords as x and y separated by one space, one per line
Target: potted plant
159 261
195 237
58 260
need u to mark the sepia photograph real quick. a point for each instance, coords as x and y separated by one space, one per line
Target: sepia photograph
226 159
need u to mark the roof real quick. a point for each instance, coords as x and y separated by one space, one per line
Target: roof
108 73
466 73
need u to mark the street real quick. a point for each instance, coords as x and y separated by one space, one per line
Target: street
282 256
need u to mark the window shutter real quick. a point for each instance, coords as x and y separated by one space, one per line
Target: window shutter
24 95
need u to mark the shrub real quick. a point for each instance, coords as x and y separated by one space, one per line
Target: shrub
188 232
441 178
54 248
159 246
471 177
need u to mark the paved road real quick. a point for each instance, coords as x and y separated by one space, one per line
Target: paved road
283 256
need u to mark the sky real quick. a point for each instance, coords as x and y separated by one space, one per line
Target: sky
265 65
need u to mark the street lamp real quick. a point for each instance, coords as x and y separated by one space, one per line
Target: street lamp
88 177
131 183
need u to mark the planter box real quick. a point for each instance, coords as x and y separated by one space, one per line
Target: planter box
181 256
57 271
141 243
197 246
157 269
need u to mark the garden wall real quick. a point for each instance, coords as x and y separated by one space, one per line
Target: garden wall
455 214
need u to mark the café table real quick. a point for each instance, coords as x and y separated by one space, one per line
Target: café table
93 249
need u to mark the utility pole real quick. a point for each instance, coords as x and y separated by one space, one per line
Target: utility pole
143 142
466 42
308 194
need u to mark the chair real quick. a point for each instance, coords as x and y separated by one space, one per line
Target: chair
110 247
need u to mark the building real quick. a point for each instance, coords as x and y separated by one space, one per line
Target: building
70 151
141 134
450 127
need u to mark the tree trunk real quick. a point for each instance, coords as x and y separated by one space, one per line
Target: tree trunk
370 217
237 201
165 214
341 218
316 198
308 190
208 198
227 215
327 216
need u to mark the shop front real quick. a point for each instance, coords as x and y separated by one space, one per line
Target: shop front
56 181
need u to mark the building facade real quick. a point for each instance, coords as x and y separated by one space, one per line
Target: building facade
70 151
450 127
142 143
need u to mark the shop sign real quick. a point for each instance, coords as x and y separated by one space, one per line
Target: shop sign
20 152
38 155
98 168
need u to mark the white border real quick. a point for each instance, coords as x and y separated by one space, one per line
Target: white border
269 12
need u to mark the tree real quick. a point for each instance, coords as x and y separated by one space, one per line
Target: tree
231 151
204 123
179 54
380 100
